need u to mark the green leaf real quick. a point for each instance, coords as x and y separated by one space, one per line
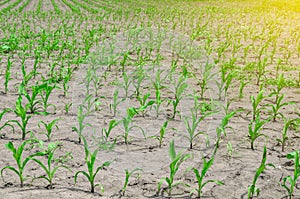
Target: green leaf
172 152
84 173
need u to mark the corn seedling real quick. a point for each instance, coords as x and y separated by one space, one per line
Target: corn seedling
157 85
280 84
176 161
90 159
191 125
33 101
255 102
172 70
45 94
67 107
65 80
49 127
226 79
124 60
17 154
21 112
162 132
243 83
97 82
126 83
292 180
275 108
26 76
224 123
206 77
295 125
49 169
196 105
144 103
200 177
7 75
229 149
104 142
284 137
252 189
90 104
138 76
261 70
115 103
254 131
81 125
126 121
180 87
128 174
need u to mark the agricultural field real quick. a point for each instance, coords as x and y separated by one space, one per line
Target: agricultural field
149 99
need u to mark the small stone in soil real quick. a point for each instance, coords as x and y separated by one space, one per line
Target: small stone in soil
8 184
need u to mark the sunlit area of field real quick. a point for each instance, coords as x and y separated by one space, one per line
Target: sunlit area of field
149 99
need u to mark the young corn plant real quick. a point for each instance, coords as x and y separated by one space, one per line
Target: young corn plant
67 107
162 133
104 140
67 75
49 127
49 169
126 121
81 125
229 149
224 123
280 84
17 155
261 70
139 76
200 176
124 60
292 180
90 104
275 108
252 189
255 102
126 83
144 103
180 87
26 76
157 85
191 125
45 94
7 75
284 137
176 161
206 76
97 82
254 129
243 83
115 103
226 79
21 112
128 174
33 101
90 159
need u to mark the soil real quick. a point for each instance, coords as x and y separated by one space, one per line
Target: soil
236 168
